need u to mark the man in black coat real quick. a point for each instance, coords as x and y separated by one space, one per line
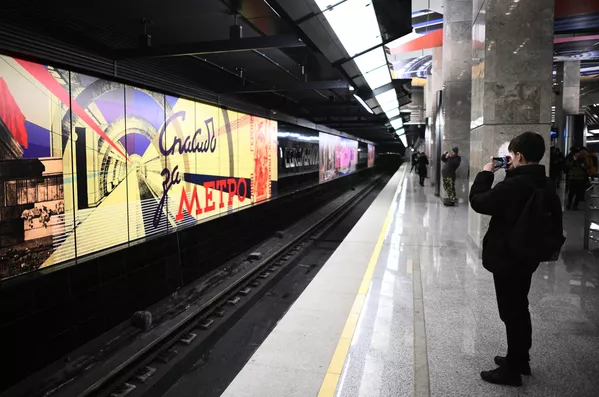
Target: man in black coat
511 275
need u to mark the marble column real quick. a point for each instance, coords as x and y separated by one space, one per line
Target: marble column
457 81
435 82
567 102
511 81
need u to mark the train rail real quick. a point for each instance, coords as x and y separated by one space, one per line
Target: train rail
151 362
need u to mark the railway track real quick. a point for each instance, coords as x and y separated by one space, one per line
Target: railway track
153 361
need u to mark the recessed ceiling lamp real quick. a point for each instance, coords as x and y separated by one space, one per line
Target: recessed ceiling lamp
392 113
397 124
378 77
386 96
354 23
403 140
371 60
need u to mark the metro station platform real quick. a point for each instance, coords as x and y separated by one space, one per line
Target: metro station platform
405 308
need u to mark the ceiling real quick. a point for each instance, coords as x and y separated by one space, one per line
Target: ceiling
278 67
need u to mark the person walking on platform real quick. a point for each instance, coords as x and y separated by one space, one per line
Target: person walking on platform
452 161
422 168
579 178
525 229
556 167
415 157
567 163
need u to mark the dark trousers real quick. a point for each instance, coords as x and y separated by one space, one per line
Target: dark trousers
422 178
512 301
557 178
576 192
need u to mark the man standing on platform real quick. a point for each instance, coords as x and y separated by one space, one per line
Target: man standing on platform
452 161
525 229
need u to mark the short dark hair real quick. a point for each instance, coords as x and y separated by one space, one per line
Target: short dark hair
530 144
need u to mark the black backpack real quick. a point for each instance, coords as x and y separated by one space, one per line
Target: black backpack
538 235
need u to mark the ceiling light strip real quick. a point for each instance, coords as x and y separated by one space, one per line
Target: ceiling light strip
363 104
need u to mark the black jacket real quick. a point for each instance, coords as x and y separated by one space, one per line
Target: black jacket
450 167
422 165
505 203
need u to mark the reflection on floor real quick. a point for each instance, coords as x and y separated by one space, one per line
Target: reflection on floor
463 329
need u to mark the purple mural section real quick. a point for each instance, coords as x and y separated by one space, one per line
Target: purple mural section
135 143
39 139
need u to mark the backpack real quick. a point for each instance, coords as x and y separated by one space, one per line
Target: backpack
538 235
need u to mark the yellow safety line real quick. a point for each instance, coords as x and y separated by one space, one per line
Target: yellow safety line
331 379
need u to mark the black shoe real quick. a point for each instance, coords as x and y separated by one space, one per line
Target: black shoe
524 367
502 376
449 204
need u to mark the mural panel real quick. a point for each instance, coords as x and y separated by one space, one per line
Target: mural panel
36 190
338 156
370 155
119 162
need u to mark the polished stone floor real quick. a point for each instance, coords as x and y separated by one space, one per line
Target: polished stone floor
463 329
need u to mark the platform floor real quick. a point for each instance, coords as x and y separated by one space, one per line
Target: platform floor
405 308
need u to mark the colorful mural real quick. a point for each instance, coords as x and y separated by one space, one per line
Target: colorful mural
337 156
87 164
370 155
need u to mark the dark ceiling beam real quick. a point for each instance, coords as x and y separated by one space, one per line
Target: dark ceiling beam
211 47
309 85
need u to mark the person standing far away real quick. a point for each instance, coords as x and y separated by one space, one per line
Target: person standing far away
452 161
556 167
415 157
422 168
525 229
567 163
593 164
579 178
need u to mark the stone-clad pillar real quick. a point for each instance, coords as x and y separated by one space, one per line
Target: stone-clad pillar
434 84
511 81
457 81
567 102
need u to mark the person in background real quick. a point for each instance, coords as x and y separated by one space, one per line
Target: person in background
415 158
556 169
578 175
452 161
567 163
593 164
513 230
422 167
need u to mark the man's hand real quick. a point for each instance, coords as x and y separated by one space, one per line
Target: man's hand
490 166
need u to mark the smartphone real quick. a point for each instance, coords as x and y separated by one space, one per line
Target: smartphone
501 162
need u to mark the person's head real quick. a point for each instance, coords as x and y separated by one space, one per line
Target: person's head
454 151
527 148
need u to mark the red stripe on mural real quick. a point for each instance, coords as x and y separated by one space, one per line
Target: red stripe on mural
429 40
43 76
575 38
